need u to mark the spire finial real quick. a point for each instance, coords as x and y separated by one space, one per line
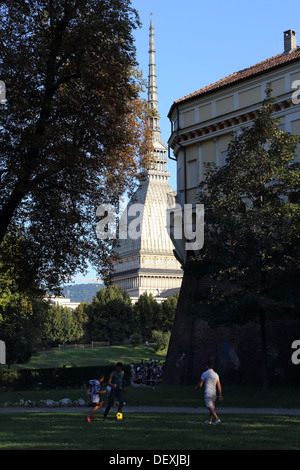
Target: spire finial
154 117
152 88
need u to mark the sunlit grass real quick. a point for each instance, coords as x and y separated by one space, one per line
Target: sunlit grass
105 356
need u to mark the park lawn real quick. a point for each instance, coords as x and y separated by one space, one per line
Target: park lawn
163 395
176 396
147 431
234 396
104 356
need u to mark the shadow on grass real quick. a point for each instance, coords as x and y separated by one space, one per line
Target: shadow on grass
142 431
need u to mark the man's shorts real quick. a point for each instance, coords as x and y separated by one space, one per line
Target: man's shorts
210 401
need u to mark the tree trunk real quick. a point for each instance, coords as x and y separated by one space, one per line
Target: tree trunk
263 336
7 212
264 351
178 365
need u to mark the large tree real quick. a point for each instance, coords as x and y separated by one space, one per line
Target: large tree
22 309
73 131
149 314
110 316
61 326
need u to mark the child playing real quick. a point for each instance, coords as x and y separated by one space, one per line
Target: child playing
115 381
95 394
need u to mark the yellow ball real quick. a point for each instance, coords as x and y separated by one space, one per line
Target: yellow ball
119 416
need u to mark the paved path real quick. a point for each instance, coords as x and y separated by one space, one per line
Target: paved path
156 409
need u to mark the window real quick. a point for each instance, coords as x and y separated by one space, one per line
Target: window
192 174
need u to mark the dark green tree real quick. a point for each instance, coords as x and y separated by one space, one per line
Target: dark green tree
22 310
252 228
73 131
61 326
168 309
80 314
111 316
148 312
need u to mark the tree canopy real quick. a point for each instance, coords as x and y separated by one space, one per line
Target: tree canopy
73 131
252 211
110 316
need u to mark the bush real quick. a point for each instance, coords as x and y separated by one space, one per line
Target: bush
63 377
136 339
160 340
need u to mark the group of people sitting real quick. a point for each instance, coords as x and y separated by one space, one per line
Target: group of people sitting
146 373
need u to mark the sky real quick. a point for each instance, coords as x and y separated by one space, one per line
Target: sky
198 43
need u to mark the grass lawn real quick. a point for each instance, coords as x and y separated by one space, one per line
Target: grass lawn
105 356
154 431
169 395
147 431
143 431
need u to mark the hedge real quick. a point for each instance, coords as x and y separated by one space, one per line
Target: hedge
68 377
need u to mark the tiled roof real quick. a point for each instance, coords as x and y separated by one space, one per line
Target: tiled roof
264 66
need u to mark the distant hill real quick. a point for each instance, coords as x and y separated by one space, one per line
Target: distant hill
81 292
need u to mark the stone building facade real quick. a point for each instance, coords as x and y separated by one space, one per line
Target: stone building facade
203 124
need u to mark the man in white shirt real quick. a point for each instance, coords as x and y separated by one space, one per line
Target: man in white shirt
212 383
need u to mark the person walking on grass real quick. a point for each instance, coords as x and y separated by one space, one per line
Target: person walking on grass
95 395
115 381
211 381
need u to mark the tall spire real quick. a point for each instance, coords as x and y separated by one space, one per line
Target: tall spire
154 117
152 89
146 261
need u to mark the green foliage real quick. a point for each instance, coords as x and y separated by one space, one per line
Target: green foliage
250 260
21 321
251 226
72 106
136 339
22 309
160 340
111 317
61 326
64 377
148 312
168 309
